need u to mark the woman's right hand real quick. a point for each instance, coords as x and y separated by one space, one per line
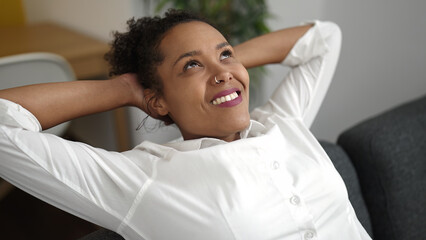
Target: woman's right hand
135 89
139 96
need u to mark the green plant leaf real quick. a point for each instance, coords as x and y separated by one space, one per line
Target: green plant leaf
160 6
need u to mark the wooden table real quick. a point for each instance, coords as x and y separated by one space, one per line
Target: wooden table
85 54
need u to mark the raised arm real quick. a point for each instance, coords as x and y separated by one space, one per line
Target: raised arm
54 103
269 48
313 59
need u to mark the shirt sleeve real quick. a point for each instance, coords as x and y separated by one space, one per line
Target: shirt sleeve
92 183
313 60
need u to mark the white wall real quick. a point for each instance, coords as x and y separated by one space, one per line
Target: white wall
383 58
382 64
96 18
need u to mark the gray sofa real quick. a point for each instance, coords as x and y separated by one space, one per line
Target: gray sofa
383 163
388 153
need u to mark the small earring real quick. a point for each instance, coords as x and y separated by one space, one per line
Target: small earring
216 81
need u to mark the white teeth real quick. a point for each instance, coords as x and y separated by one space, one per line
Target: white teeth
226 98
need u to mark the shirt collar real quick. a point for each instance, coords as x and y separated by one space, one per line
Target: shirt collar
252 130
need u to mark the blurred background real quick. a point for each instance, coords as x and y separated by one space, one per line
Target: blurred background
382 62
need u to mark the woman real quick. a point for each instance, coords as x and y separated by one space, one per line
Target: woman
231 178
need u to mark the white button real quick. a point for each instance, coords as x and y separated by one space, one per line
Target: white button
276 165
295 200
309 235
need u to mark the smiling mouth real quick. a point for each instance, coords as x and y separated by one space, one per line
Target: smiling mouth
226 98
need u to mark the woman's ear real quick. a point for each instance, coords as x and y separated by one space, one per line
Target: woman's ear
156 107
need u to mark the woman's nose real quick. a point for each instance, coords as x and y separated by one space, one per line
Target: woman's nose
222 77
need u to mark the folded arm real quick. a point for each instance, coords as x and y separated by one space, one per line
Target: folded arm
313 60
54 103
269 48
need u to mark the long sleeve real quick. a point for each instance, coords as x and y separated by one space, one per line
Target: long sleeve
313 60
94 184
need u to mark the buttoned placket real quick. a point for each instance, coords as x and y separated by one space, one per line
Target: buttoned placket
309 235
294 201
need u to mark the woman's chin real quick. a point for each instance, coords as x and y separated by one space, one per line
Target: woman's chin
239 124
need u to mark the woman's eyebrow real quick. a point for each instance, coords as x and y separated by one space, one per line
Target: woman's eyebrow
188 54
197 52
222 45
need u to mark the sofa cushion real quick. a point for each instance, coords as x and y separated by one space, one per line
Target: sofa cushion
344 166
389 154
102 234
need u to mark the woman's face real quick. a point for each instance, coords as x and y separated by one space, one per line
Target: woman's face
195 53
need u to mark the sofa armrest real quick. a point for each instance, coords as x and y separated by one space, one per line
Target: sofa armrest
389 154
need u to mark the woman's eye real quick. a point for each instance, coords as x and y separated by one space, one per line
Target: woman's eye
225 54
190 64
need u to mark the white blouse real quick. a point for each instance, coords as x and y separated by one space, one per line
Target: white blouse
276 182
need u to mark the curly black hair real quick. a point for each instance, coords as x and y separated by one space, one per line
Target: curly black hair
137 50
